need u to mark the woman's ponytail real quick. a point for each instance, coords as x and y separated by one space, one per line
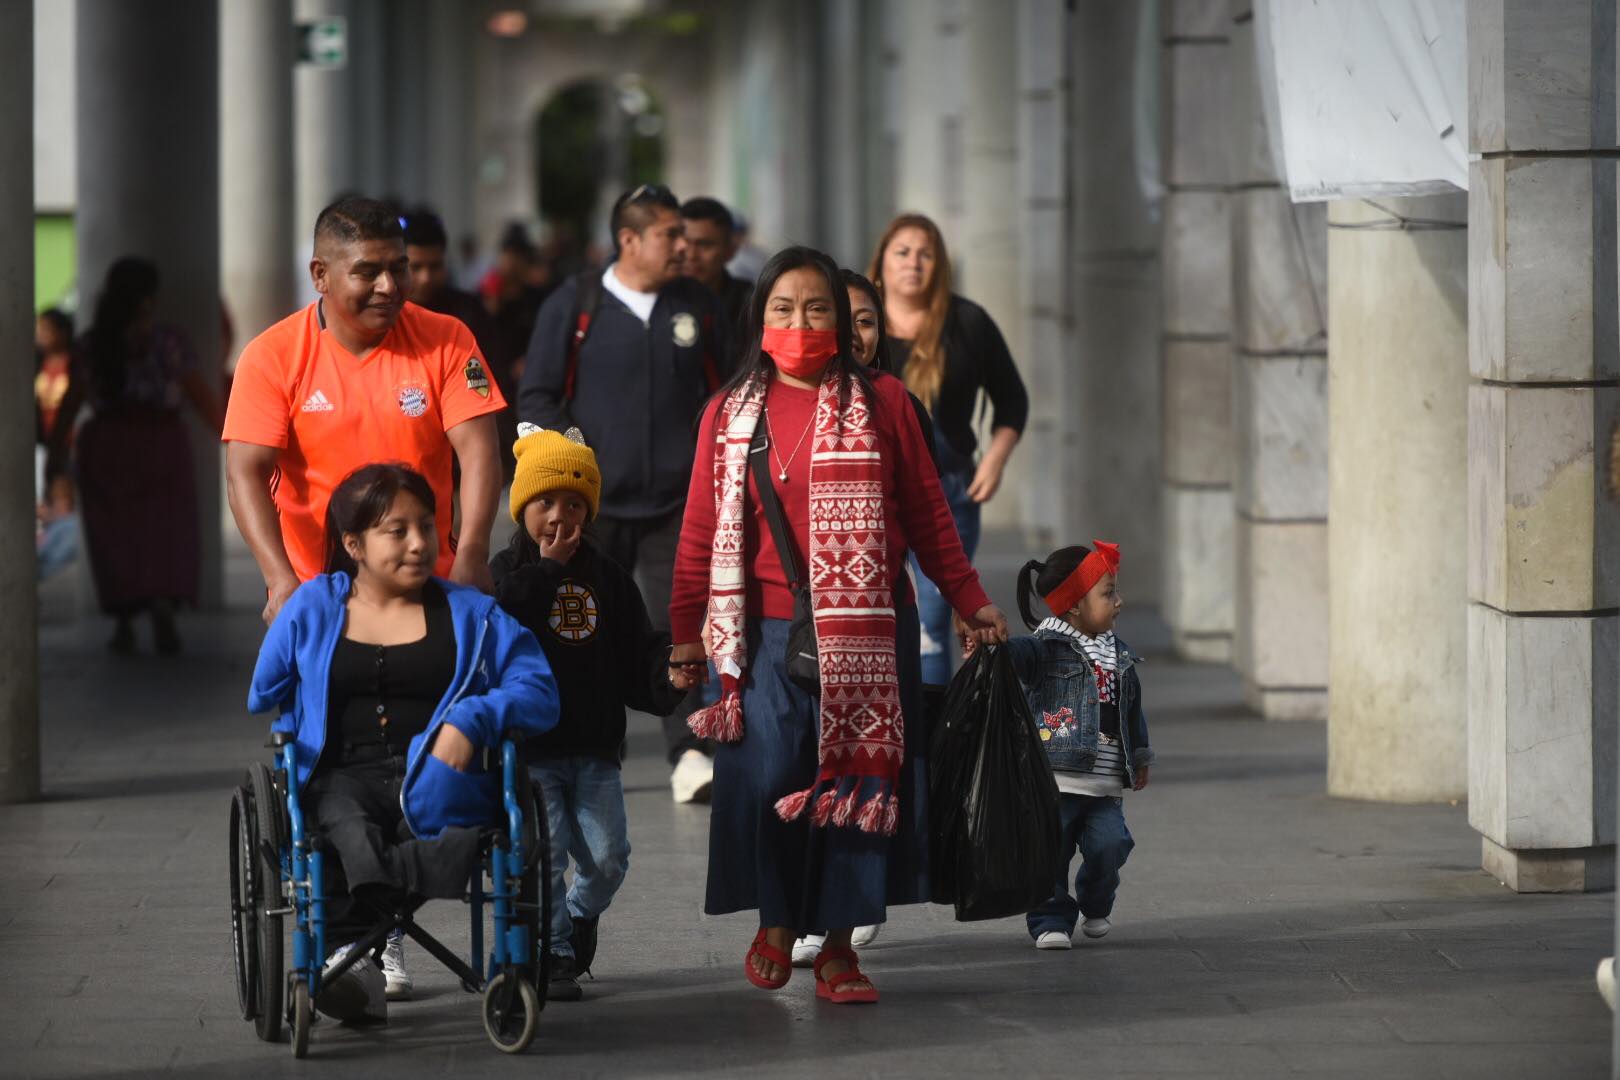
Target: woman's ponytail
1026 590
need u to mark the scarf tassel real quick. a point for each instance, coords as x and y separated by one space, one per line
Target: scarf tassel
722 721
879 814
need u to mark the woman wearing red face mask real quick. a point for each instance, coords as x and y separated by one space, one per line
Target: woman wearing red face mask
818 818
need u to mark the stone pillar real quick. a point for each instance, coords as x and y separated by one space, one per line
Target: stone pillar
1048 448
1112 412
1544 354
148 152
451 163
933 63
327 155
259 246
1397 498
1195 251
19 630
1279 415
850 109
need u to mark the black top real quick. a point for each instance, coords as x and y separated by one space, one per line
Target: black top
638 391
386 694
976 358
604 653
734 294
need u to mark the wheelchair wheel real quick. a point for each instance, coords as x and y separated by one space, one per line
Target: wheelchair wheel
302 1016
268 834
244 925
511 1012
535 889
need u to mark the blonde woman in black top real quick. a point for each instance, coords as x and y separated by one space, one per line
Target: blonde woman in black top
948 350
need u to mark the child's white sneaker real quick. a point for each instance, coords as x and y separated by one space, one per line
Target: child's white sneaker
1605 981
864 935
1054 939
1095 928
395 978
806 949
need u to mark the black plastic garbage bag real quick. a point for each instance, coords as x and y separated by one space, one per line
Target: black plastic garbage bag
994 828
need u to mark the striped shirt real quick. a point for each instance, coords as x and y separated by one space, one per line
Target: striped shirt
1107 775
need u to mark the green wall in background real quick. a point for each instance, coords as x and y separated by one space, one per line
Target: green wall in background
53 259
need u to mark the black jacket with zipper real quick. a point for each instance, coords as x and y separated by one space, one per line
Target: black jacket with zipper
638 388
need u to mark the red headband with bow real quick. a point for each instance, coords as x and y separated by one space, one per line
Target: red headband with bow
1104 559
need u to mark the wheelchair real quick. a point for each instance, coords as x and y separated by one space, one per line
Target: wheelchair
277 886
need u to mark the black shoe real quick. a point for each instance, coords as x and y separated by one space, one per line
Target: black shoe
165 635
123 639
564 981
584 943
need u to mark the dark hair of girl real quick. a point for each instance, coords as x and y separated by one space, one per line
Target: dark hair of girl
757 362
362 500
130 283
880 356
1036 578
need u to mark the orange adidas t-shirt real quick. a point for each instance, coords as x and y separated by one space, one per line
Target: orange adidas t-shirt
330 412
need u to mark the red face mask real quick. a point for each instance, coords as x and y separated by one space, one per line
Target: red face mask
800 353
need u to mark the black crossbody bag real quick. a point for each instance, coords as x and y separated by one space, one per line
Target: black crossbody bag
803 665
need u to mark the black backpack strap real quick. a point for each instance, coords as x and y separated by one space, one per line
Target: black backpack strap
587 298
758 460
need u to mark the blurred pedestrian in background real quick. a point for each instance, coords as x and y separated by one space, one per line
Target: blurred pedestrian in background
137 491
948 350
711 242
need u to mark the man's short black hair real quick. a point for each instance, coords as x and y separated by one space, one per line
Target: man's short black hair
355 217
638 208
704 208
424 229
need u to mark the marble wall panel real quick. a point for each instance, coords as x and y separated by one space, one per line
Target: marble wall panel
1280 431
1197 413
1196 247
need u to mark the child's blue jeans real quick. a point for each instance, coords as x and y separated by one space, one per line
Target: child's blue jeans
1096 825
585 808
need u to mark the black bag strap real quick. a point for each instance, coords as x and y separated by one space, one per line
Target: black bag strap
758 460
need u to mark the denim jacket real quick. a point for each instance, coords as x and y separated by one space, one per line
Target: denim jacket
1057 675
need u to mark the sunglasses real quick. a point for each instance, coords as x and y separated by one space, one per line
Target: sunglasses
648 191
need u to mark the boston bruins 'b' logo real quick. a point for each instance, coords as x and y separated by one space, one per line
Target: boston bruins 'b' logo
573 613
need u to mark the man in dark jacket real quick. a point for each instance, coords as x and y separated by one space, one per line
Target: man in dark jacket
629 356
711 242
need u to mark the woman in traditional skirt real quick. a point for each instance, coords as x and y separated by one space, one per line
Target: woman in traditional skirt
818 818
133 456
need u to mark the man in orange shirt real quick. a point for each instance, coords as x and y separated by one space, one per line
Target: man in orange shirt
359 376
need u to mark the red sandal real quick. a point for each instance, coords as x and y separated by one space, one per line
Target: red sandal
773 955
827 988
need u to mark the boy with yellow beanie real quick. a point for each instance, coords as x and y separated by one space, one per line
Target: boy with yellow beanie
592 623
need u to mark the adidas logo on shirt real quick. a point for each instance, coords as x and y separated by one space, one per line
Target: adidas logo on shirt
317 402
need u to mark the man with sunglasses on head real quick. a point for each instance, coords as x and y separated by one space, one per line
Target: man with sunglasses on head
629 355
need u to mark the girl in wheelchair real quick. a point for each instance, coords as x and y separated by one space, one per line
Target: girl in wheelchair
391 681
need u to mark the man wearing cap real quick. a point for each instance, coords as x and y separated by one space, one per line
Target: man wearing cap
629 355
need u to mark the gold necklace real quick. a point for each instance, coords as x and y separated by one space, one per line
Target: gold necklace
782 470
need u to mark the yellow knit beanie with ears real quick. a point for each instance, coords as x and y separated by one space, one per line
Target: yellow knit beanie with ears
553 461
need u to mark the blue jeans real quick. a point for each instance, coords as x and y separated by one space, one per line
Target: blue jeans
939 652
585 808
1096 825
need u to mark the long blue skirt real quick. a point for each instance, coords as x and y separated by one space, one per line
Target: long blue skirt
810 879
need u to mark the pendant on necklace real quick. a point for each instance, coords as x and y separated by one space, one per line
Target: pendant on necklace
782 476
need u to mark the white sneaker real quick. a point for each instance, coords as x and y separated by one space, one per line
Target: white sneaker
1095 928
864 936
1054 939
1605 980
397 979
693 777
806 949
358 995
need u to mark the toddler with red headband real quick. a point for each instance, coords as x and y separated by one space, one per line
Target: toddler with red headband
1087 702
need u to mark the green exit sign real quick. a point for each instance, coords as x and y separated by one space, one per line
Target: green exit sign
324 42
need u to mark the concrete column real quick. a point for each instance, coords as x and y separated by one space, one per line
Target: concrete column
1048 450
19 630
1398 385
1112 412
1195 250
451 163
148 151
988 238
850 109
327 154
933 94
1544 354
259 248
1279 414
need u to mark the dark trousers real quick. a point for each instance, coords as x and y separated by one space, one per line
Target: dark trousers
355 810
646 548
1095 824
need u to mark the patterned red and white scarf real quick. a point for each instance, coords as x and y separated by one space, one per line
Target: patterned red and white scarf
861 732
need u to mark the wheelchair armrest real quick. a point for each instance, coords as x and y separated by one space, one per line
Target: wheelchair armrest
278 739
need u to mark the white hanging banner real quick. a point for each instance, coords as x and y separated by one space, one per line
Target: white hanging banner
1365 97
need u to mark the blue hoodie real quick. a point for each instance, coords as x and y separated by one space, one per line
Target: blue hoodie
502 684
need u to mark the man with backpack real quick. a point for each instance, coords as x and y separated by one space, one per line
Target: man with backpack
629 355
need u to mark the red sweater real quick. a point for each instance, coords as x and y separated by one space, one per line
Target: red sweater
916 516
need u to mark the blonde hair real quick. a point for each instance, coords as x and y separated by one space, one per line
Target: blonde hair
925 368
